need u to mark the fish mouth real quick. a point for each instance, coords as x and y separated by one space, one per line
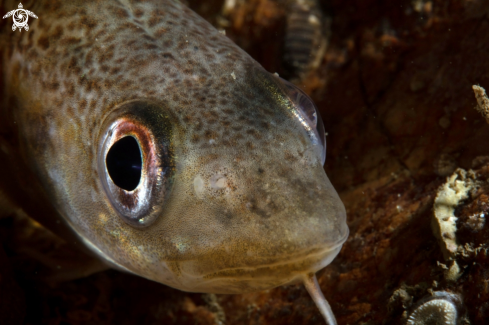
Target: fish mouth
245 279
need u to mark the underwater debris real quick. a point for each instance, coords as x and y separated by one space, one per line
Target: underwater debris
450 194
455 189
482 101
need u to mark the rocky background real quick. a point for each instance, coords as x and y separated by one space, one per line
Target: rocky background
407 152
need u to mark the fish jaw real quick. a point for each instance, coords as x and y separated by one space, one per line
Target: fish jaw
251 279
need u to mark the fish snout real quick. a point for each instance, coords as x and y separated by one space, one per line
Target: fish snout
253 236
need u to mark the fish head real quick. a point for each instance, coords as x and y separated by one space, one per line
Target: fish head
232 199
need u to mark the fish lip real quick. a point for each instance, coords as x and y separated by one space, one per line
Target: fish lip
238 280
318 253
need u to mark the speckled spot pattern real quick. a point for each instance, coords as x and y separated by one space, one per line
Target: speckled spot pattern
263 211
88 60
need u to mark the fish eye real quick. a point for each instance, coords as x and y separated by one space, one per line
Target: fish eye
124 163
308 115
133 166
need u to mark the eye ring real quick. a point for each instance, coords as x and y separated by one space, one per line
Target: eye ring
139 204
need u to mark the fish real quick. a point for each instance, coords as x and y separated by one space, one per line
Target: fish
148 135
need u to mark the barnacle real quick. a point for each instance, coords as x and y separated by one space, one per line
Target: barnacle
441 308
305 38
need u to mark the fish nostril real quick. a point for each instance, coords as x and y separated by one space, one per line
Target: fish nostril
124 162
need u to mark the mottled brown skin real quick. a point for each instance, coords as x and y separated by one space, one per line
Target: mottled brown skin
276 218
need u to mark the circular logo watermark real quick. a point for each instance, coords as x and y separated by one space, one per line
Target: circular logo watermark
20 17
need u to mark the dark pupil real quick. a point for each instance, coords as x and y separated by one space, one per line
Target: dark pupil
124 162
